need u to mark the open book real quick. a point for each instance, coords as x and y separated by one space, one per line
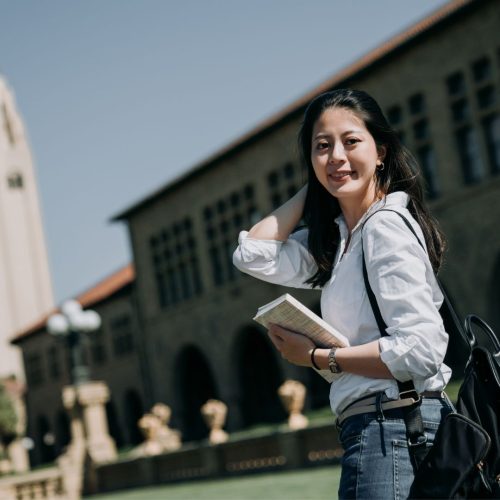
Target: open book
289 313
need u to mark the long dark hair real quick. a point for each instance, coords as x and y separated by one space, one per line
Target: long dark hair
401 173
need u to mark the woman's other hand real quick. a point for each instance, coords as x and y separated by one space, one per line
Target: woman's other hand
294 347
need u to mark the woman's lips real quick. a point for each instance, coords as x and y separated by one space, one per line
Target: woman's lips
340 176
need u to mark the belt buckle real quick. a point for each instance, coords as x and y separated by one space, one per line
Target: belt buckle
413 394
422 441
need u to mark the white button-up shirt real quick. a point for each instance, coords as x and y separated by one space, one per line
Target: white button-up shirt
402 280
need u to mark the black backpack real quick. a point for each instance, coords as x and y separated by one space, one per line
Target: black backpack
465 459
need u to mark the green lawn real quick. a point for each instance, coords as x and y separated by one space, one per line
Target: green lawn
311 484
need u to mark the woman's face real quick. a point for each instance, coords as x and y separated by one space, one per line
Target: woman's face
344 157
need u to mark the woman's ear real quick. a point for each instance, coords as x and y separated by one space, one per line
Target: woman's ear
381 150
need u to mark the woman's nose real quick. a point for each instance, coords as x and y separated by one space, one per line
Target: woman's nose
337 153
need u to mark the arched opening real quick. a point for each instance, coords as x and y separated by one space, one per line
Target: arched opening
195 386
113 425
259 378
133 412
45 440
63 431
494 306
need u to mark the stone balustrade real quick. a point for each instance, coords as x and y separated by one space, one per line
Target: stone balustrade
307 447
44 484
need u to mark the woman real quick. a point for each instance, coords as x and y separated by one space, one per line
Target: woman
356 166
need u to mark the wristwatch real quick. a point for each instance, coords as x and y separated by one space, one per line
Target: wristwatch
332 362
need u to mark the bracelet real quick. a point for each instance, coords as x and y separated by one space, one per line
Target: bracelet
332 362
312 360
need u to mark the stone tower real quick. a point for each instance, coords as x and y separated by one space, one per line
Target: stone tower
25 285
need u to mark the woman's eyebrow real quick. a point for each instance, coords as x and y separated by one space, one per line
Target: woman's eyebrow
347 132
354 131
320 136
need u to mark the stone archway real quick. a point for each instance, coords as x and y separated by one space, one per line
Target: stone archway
195 384
114 427
63 431
259 376
44 440
494 295
134 410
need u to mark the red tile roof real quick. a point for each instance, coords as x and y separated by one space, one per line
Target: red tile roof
363 63
91 297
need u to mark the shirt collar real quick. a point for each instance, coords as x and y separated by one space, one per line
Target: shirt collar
392 200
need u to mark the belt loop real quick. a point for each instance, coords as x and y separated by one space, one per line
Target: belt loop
378 405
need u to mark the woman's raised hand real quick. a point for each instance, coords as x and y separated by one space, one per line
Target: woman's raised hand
279 224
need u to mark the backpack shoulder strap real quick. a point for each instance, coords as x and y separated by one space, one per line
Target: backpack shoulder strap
446 311
412 415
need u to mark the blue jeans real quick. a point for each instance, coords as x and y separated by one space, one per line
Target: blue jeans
376 463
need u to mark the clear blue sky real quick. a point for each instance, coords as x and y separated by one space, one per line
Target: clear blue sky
121 96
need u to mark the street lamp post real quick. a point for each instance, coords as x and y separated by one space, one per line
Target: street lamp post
84 399
72 325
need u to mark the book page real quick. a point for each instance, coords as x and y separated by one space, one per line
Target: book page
288 315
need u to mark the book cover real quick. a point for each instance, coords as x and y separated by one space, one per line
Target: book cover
289 313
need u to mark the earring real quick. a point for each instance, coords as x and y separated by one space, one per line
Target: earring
381 166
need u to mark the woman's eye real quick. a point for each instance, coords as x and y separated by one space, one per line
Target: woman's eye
322 145
352 141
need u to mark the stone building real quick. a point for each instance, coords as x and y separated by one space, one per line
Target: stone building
113 354
438 83
25 284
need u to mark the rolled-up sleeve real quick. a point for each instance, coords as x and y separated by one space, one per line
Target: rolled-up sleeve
403 282
287 263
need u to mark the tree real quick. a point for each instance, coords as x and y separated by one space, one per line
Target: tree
8 417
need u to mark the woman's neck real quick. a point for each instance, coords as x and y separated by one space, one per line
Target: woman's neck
353 210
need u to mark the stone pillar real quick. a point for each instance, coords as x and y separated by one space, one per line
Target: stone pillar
18 456
92 397
90 441
71 463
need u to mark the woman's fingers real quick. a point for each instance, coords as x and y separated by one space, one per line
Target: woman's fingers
279 331
275 339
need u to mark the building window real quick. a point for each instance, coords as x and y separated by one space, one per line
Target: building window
465 122
481 70
175 263
427 161
283 183
486 97
456 84
34 370
395 115
122 335
98 347
416 103
223 221
491 127
460 111
54 363
15 181
420 136
468 147
421 129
